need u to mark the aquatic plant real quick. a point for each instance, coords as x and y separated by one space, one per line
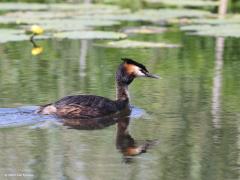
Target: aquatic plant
185 3
137 44
90 35
223 30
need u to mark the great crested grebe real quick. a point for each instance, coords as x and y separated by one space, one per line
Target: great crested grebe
91 106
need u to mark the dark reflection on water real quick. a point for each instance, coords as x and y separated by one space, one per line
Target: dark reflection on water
198 129
95 123
126 144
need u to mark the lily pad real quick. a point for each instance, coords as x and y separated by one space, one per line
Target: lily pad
7 35
65 13
57 7
87 8
60 24
138 44
185 3
22 6
36 14
57 24
73 24
217 21
6 20
90 35
105 19
77 21
144 30
152 15
223 30
166 14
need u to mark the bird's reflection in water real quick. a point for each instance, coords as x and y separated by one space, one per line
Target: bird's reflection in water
95 123
125 143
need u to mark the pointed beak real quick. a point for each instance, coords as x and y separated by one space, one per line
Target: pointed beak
152 75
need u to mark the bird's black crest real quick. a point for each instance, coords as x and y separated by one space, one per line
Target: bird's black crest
130 61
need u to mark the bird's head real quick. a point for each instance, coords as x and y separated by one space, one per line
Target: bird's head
130 69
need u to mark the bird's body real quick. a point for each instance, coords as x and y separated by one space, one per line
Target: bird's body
91 106
84 106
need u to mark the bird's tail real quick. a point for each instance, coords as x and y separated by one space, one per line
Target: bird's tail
46 109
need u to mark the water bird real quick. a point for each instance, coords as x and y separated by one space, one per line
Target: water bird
92 106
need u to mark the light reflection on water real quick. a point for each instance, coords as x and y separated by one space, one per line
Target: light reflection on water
25 116
21 116
177 111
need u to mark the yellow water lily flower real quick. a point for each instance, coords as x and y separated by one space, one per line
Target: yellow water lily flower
37 30
37 50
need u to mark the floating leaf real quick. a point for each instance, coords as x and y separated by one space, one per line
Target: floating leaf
138 44
12 35
59 24
52 14
80 19
185 3
7 35
153 15
224 30
166 14
37 14
144 30
88 18
90 35
227 27
59 7
74 24
11 20
217 21
87 8
22 6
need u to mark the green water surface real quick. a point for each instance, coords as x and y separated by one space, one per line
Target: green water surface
193 111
